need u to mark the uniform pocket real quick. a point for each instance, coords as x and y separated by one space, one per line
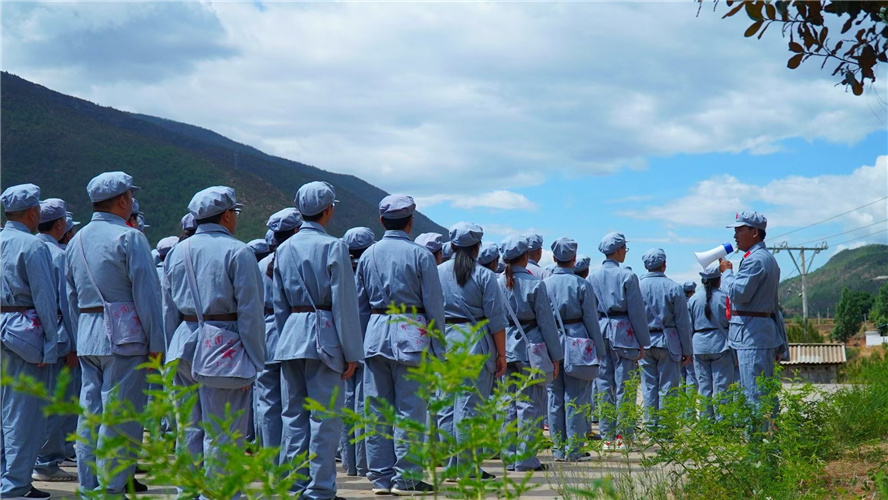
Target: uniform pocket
623 335
411 337
124 329
220 360
327 342
538 357
23 334
581 358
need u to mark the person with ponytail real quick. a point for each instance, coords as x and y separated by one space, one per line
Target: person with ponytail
576 308
352 449
713 359
471 296
267 398
527 301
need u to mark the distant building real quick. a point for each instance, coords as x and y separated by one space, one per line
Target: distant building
874 338
815 363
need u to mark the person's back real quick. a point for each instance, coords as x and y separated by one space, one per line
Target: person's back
397 271
319 345
623 324
28 330
713 358
110 268
225 302
670 332
576 310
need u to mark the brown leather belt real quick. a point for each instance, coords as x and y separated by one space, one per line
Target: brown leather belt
456 321
409 309
211 317
572 321
15 309
309 309
753 314
93 310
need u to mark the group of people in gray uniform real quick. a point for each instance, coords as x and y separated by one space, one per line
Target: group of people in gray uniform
261 327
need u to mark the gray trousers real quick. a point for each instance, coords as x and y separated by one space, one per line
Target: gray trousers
21 426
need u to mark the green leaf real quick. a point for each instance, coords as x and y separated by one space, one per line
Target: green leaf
794 61
753 28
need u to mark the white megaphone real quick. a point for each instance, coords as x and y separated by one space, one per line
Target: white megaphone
710 256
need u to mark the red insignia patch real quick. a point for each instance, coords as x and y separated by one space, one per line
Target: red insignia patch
747 254
728 307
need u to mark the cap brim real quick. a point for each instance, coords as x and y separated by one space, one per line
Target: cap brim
238 206
135 188
75 223
738 224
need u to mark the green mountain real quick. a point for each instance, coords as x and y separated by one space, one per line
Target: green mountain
60 142
858 269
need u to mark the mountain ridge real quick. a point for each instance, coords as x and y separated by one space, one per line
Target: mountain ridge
59 142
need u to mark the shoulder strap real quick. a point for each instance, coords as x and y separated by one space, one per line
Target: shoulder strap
374 274
89 272
514 317
192 282
560 322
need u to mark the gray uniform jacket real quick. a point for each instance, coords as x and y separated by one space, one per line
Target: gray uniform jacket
622 315
574 299
530 302
27 281
395 269
669 323
228 282
314 267
710 335
66 330
120 259
753 288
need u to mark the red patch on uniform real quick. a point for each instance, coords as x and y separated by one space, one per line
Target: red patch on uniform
747 254
229 353
728 307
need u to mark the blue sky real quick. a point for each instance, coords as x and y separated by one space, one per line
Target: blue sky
568 119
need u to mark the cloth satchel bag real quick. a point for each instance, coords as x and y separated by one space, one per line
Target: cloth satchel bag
537 353
122 325
580 358
220 360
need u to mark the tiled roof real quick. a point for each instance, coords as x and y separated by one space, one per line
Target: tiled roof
815 354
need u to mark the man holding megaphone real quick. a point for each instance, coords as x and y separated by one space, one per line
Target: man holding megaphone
756 326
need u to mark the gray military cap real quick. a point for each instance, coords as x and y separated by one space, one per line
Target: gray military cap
564 249
52 209
359 238
70 222
166 244
314 197
712 272
654 258
689 286
136 208
259 245
514 247
20 197
213 201
534 242
447 251
433 241
752 219
583 263
397 206
188 222
488 253
611 243
287 219
465 234
107 185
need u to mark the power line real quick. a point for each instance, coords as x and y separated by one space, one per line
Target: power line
862 237
846 232
830 218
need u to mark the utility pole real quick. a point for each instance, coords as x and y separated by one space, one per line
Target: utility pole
803 271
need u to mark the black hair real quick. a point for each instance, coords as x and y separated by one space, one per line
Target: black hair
510 275
710 284
492 265
211 220
313 218
396 224
357 253
186 233
279 238
762 233
464 262
582 274
562 263
105 205
45 227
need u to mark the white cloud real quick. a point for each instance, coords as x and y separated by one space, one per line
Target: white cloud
791 202
429 97
494 200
